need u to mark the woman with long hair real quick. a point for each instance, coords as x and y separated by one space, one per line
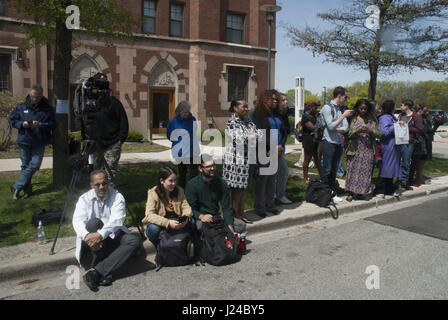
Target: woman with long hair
237 170
265 119
361 150
166 203
310 146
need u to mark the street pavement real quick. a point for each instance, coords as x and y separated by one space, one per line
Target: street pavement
348 258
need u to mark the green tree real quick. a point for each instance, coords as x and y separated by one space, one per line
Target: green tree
104 20
409 34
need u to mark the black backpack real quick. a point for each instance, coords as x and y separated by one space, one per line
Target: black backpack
46 216
175 247
322 195
218 245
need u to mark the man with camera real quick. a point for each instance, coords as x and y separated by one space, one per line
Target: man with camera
98 222
34 119
104 121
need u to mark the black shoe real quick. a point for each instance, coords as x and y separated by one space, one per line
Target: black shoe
261 214
92 279
275 212
106 281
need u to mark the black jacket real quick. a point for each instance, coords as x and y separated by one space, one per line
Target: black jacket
285 129
261 121
109 125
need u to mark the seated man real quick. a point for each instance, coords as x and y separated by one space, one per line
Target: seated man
98 221
206 192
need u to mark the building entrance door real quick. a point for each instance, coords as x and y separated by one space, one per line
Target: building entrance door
161 109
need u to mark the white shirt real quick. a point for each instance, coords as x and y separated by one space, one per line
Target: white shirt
112 212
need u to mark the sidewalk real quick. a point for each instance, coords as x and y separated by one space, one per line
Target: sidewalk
129 158
30 259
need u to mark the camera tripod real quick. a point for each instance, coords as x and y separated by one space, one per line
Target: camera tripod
78 163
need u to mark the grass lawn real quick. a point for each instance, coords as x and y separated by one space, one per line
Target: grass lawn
15 215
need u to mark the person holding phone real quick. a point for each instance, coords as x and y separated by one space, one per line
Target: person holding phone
361 149
166 206
34 119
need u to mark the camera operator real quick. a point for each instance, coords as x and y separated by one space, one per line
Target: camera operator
108 126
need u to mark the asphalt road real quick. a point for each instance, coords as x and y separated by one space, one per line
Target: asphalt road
351 258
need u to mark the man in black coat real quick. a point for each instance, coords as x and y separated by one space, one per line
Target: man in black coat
109 128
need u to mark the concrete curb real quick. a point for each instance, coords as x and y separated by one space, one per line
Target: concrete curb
295 214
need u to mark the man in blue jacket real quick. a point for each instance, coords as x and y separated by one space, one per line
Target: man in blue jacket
181 131
34 119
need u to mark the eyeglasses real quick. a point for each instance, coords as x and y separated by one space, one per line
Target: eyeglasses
209 167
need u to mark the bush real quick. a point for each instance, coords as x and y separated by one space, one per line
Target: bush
76 136
7 104
134 136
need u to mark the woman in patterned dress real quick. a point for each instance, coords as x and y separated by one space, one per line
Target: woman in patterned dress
237 169
361 150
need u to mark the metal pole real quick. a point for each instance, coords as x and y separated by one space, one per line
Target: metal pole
269 53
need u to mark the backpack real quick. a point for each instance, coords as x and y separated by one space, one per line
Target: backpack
322 195
175 247
298 131
320 126
47 217
219 246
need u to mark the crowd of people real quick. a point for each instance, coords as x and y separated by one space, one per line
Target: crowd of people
367 136
256 141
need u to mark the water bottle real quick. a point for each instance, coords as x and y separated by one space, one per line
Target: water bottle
41 233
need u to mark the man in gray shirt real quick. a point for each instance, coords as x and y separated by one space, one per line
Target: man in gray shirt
336 125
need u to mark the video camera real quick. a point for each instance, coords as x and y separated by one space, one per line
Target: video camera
89 94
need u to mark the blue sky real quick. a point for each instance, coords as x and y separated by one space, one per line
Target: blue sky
292 61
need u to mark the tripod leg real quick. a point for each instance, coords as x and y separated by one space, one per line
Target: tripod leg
74 180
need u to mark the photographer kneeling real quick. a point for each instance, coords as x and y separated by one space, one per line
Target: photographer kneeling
98 222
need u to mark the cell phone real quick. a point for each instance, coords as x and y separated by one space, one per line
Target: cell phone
182 219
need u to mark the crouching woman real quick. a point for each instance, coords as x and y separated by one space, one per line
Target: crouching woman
166 203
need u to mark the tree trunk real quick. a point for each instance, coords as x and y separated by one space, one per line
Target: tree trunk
62 59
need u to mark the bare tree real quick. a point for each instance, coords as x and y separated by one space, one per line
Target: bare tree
397 35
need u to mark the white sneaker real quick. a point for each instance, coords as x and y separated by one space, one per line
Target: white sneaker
337 199
380 195
284 200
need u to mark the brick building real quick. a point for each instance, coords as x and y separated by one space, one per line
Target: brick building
205 51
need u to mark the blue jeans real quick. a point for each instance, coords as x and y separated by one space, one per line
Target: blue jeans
406 156
331 153
282 175
153 231
31 157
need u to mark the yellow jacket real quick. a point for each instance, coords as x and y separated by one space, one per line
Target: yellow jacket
155 208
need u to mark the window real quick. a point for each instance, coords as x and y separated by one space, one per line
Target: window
237 83
234 28
176 20
2 7
149 16
5 72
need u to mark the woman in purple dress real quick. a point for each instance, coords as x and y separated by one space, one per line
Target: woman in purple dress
390 168
361 151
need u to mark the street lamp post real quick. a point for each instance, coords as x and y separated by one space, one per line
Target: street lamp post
270 10
325 95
